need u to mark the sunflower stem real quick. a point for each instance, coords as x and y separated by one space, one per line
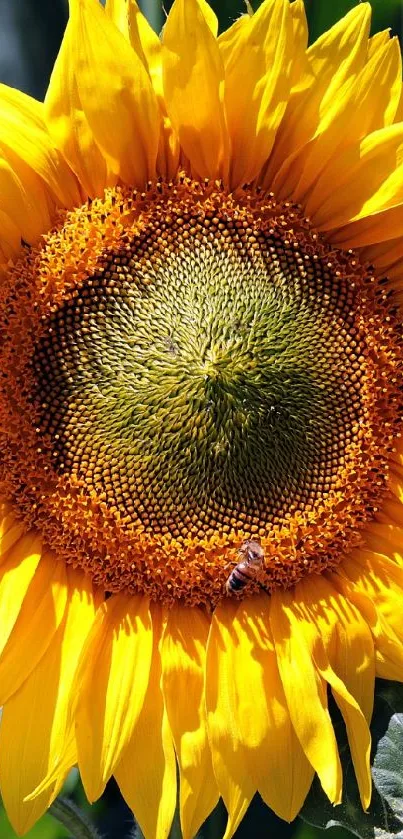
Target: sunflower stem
68 814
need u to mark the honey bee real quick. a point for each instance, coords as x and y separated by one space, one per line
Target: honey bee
251 562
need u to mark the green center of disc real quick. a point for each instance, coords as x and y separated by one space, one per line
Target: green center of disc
215 386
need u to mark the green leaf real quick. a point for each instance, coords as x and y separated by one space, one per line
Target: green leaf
387 769
384 819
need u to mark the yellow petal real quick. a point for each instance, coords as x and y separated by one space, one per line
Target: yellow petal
16 574
395 482
193 77
399 111
301 34
129 19
146 773
10 240
346 638
397 455
389 654
345 658
295 639
367 105
386 255
115 665
135 27
285 758
24 131
389 77
378 41
122 12
369 179
229 40
388 648
380 579
10 528
168 150
257 85
183 654
386 539
34 723
23 197
375 235
61 766
253 743
349 34
69 125
391 512
358 732
39 618
335 60
209 16
229 755
111 80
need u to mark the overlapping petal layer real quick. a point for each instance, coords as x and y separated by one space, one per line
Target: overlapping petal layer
229 740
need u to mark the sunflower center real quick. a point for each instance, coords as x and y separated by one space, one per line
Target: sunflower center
206 388
184 371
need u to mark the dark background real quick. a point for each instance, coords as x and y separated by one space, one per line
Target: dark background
30 34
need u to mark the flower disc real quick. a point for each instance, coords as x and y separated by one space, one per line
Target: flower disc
197 368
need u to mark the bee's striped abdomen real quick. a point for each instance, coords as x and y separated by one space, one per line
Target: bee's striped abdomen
237 580
251 563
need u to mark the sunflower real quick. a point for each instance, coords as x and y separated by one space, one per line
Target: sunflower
201 468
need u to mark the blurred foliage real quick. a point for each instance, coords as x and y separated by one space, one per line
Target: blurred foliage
36 27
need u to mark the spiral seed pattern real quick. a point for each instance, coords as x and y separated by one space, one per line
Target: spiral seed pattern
208 388
185 369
